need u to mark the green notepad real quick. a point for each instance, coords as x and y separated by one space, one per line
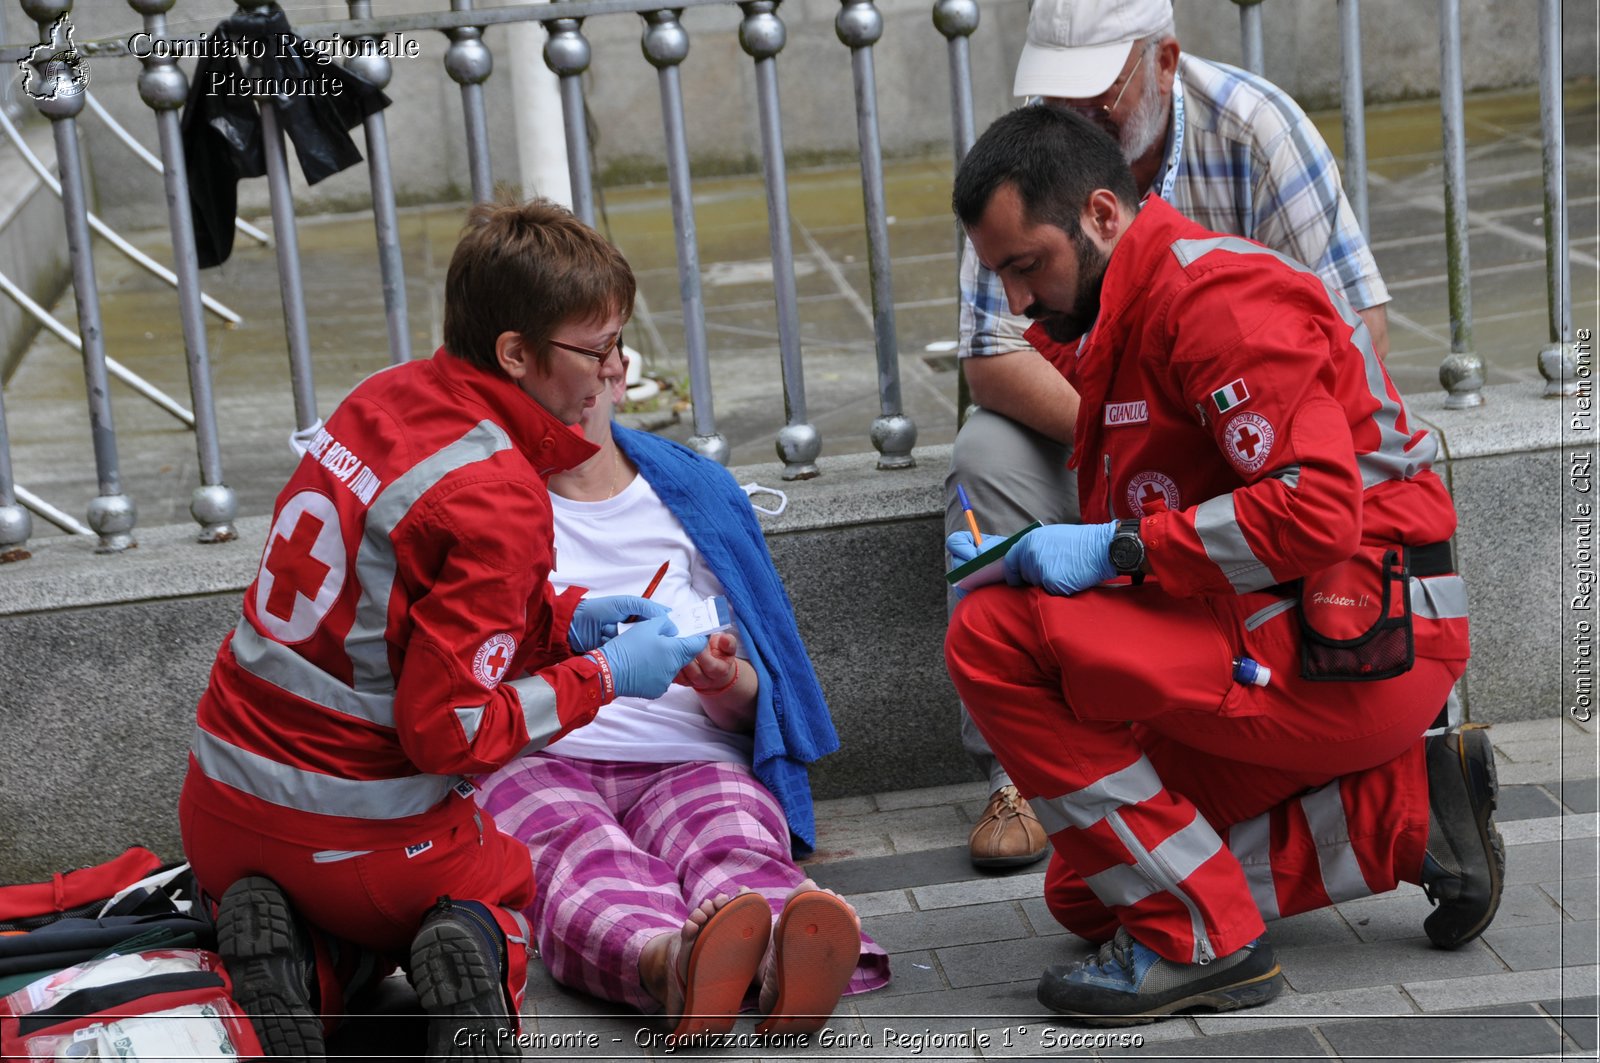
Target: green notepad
987 567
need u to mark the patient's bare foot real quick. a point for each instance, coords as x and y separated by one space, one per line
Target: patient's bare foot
701 972
814 950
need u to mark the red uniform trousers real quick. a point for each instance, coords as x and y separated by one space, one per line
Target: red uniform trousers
1116 714
362 907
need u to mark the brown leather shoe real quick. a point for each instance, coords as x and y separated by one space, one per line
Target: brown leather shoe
1008 834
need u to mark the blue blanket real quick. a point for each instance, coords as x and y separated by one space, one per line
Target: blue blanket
793 727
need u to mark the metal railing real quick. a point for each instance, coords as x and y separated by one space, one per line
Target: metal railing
665 41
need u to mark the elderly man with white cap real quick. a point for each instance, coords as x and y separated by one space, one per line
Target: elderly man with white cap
1227 148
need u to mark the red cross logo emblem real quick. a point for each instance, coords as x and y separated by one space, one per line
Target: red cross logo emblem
1248 439
303 569
489 664
1151 488
295 573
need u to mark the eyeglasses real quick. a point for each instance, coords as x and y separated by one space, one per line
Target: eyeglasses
600 357
1138 61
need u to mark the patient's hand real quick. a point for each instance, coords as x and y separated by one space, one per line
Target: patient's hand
714 666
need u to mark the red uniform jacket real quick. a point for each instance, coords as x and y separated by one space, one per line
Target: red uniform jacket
404 583
1235 405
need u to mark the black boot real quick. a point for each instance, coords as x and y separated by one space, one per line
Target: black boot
1464 867
269 958
457 959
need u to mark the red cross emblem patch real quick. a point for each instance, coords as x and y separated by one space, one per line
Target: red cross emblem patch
1151 488
302 569
1247 440
489 664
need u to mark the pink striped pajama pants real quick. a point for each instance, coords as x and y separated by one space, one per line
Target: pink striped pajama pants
622 852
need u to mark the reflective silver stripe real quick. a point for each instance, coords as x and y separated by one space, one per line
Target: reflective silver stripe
334 856
1176 859
1202 951
1251 844
1289 474
273 662
539 715
1218 528
1439 597
375 564
1262 615
1081 808
1391 461
1341 871
311 791
469 719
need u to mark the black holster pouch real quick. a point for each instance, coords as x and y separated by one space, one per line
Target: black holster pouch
1355 618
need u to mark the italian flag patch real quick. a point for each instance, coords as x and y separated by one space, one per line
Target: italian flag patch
1230 395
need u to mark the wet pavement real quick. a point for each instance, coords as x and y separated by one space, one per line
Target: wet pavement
49 421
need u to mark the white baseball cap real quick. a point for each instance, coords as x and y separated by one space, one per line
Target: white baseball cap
1076 48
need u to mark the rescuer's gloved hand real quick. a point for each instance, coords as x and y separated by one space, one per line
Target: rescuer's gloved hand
1063 558
595 620
644 658
961 548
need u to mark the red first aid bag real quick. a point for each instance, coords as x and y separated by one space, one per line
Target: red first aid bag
156 1005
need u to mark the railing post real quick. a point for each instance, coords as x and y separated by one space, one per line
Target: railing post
957 20
859 24
57 87
469 64
1353 89
666 44
567 54
1461 372
377 69
1250 46
16 523
1555 360
762 35
163 87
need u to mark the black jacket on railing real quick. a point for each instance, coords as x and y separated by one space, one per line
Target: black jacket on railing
222 126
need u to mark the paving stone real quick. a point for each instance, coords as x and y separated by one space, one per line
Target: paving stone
947 927
934 795
1513 1031
1534 947
1400 914
981 1007
1554 767
901 871
1038 913
1551 828
1577 1017
1321 927
1525 802
1014 887
883 902
1577 897
1307 1009
1325 967
1551 861
1259 1044
913 972
1504 987
1007 961
843 807
1580 795
1519 732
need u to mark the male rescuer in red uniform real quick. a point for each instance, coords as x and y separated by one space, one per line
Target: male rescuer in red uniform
401 635
1288 622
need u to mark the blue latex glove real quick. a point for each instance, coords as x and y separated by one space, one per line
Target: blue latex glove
645 657
961 548
595 620
1063 558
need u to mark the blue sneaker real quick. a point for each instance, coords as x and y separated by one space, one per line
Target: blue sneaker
1127 983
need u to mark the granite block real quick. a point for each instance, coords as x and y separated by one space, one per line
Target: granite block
1038 915
1551 861
897 872
885 902
912 972
950 1010
1525 802
1579 897
976 790
970 925
1501 987
1320 968
1310 1009
1325 926
1508 1031
1257 1044
1577 1017
1016 887
1579 795
1569 827
1007 961
1553 945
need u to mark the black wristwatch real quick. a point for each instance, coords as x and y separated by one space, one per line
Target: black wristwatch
1127 549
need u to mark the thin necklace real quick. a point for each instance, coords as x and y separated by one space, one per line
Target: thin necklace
616 471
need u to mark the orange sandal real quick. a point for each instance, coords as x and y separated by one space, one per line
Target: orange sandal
723 961
815 949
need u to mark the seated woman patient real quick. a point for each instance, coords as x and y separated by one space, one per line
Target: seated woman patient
662 832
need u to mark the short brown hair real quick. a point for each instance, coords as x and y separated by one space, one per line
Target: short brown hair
528 268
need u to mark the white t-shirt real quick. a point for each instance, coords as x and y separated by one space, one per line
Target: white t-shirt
615 547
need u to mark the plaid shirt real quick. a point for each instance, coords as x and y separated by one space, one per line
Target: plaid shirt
1249 163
